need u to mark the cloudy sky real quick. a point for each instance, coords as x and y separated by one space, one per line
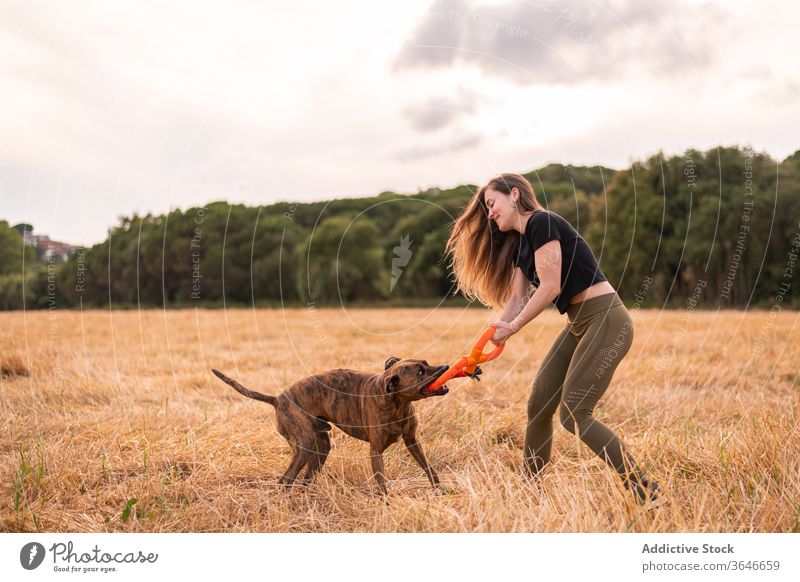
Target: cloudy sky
107 108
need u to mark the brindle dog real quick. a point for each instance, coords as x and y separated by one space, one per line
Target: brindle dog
376 408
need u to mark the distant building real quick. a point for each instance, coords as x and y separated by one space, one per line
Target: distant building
48 248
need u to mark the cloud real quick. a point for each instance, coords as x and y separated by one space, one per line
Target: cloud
112 108
439 112
454 143
562 42
780 93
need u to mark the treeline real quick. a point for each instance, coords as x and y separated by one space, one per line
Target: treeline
718 228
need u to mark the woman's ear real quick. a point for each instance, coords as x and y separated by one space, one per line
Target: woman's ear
391 383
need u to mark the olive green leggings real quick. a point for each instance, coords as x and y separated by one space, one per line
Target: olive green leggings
574 375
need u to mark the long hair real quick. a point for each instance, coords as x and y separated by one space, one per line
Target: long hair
482 256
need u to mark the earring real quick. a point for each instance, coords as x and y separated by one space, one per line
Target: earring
513 204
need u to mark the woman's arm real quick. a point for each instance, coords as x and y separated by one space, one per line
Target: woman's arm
520 287
548 268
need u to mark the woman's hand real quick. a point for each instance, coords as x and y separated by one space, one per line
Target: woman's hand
504 331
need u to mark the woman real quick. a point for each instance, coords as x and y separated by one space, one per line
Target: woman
503 242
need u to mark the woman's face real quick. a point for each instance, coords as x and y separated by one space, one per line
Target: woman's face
500 208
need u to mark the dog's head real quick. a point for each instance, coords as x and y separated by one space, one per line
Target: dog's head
409 379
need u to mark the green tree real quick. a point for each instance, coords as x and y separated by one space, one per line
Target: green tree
13 250
342 260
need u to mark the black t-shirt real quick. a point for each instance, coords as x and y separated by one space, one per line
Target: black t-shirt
579 268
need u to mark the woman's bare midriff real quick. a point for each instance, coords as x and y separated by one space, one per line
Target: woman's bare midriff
596 290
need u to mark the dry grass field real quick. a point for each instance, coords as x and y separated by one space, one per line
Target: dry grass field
100 408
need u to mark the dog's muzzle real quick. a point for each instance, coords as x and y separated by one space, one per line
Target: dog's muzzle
441 391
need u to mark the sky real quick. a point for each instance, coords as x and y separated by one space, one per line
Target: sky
111 108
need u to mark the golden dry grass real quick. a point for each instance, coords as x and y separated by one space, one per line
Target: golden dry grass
121 405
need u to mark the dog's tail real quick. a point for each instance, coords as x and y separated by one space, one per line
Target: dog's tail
244 391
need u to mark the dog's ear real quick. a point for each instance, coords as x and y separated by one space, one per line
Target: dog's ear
390 362
392 382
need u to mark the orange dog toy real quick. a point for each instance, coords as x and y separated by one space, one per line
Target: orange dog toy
468 365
